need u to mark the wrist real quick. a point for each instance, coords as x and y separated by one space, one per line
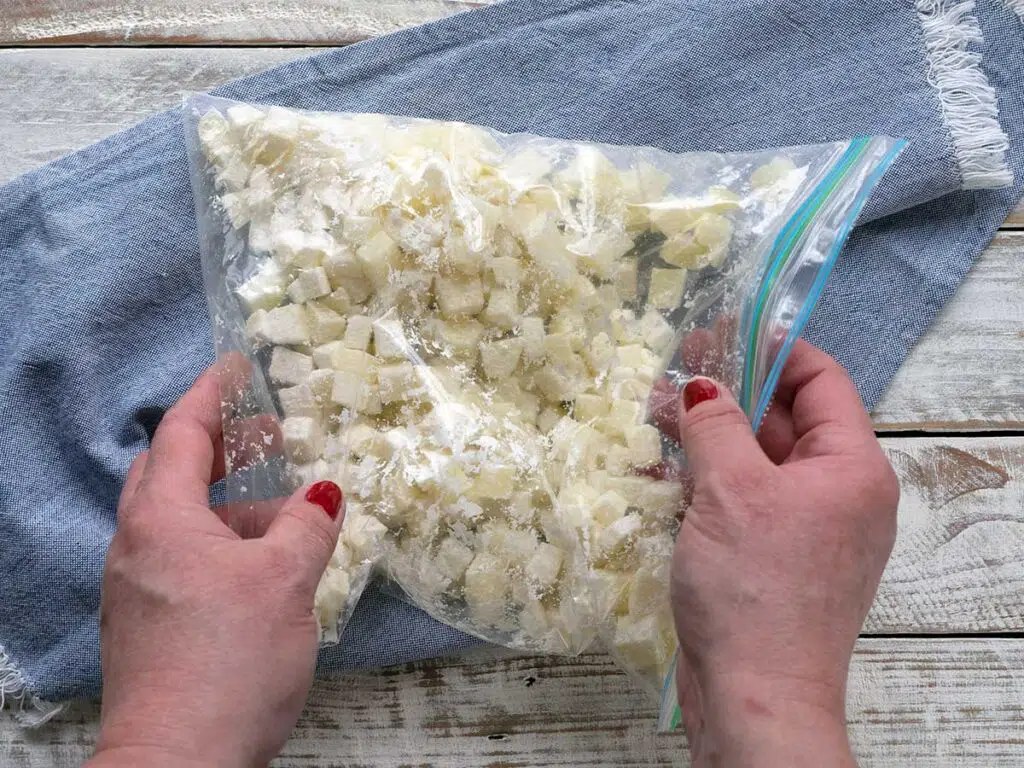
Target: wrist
128 756
771 721
153 733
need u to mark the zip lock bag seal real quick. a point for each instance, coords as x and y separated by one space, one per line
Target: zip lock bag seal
464 329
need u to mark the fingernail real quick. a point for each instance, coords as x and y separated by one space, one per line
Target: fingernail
697 391
327 496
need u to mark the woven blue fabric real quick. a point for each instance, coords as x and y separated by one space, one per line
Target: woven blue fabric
102 310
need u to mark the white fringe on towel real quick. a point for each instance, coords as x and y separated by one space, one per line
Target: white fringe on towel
968 101
26 708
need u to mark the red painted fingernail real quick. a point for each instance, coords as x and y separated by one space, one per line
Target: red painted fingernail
697 391
326 495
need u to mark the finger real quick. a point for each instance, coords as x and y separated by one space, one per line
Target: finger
716 435
250 519
827 413
663 405
245 443
182 453
307 529
132 481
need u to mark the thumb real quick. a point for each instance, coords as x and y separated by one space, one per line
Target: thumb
307 527
715 433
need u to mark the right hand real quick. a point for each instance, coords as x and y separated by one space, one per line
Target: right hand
776 565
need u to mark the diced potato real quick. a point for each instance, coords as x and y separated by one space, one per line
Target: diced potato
609 508
303 438
486 589
500 358
266 288
644 442
376 257
310 284
283 325
397 382
502 309
667 285
359 333
288 367
494 482
324 323
459 298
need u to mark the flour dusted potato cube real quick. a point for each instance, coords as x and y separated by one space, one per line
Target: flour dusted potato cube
502 309
615 542
494 482
544 565
396 382
359 332
337 300
458 338
641 644
298 249
288 367
617 459
571 324
303 438
359 289
364 534
486 589
332 594
624 325
341 266
662 498
657 333
558 348
348 389
452 559
500 358
309 284
599 353
506 271
555 385
265 289
547 419
625 280
644 443
282 325
667 286
589 407
623 414
340 357
459 297
376 257
324 323
609 508
389 340
298 401
531 331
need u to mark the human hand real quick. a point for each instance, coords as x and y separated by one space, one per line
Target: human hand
208 640
776 564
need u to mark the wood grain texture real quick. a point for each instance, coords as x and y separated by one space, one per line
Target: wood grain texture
911 702
957 564
61 99
205 22
967 372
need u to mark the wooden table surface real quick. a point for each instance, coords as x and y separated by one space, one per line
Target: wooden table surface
938 676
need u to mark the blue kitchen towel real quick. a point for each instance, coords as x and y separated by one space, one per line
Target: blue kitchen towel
102 311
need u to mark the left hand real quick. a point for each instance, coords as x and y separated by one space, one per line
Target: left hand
208 640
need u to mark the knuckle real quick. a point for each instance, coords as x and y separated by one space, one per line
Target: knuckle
714 418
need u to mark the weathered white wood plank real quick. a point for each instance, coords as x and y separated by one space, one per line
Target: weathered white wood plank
202 22
967 372
58 100
928 702
957 564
